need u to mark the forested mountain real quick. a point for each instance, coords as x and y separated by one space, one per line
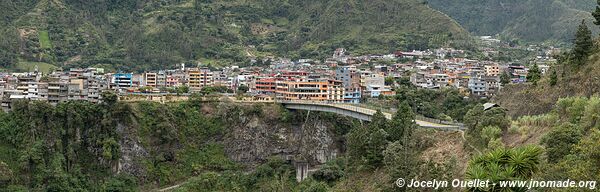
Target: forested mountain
529 20
144 34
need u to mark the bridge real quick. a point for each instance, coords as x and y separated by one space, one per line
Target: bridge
365 114
356 112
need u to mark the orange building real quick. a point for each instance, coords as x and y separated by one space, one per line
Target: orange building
198 78
320 90
266 85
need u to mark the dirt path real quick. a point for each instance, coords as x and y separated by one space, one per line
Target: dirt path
171 187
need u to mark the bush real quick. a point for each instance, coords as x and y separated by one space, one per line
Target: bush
120 183
561 140
504 165
330 172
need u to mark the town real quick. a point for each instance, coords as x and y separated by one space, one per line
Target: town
299 95
339 79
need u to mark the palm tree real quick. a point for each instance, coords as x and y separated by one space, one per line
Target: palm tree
504 165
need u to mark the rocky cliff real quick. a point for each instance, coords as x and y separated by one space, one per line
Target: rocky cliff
251 135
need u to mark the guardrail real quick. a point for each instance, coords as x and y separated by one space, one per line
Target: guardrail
451 125
438 121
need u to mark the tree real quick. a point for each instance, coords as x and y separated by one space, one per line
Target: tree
121 182
357 142
490 134
243 89
596 14
182 90
504 78
375 146
390 81
583 44
8 47
366 143
6 174
561 141
331 172
477 119
109 98
402 123
534 74
553 78
400 161
378 121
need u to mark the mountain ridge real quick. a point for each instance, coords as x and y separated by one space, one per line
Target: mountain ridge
531 20
139 34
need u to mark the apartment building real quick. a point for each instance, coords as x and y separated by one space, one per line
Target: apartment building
315 90
478 86
198 78
440 80
151 79
265 86
161 79
122 80
351 81
492 70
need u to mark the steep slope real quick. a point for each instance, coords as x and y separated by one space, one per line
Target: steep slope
531 20
526 99
142 34
554 20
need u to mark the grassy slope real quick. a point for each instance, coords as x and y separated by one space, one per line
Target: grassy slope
44 40
30 66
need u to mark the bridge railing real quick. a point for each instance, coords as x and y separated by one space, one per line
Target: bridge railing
332 104
452 125
438 121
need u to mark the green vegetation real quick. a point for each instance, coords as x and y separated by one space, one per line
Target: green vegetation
558 145
77 145
504 78
596 14
53 148
571 139
44 40
573 75
243 89
8 46
529 20
30 66
138 35
583 45
481 124
518 164
553 78
447 104
534 74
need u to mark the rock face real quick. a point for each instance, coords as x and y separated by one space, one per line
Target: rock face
253 134
131 151
254 137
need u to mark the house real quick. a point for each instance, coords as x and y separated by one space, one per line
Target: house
478 86
122 80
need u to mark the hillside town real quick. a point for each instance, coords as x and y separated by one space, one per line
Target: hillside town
340 79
